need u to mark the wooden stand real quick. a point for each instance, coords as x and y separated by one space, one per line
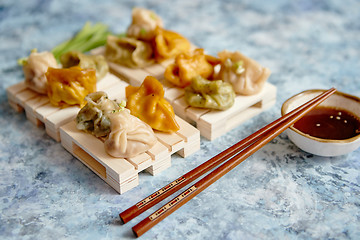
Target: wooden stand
121 174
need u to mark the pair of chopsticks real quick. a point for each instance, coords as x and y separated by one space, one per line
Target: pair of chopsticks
233 157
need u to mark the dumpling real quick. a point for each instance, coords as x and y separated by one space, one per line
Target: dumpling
245 75
147 103
129 136
93 117
168 44
35 68
69 86
189 65
215 94
76 58
129 52
144 24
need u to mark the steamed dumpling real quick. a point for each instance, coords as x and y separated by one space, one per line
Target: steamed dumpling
35 68
215 94
129 52
129 136
245 75
144 24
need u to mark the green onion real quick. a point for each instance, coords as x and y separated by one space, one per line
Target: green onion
88 38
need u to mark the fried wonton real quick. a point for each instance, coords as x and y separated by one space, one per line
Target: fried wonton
168 44
69 86
147 103
189 65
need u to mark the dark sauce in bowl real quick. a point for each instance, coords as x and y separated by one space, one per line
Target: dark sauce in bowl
329 123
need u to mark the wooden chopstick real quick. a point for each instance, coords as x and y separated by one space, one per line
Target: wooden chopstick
190 176
256 142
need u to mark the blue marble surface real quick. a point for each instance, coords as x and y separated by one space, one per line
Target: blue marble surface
280 192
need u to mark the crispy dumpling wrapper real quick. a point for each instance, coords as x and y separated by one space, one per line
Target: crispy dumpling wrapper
69 86
129 136
76 58
35 68
189 65
215 94
144 24
129 52
93 117
245 74
147 102
169 44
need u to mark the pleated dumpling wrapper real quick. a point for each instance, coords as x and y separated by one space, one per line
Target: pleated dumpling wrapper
215 94
144 24
94 116
189 65
76 58
169 44
70 86
129 136
147 103
35 67
129 52
245 74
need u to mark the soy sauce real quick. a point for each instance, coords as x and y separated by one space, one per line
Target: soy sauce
329 123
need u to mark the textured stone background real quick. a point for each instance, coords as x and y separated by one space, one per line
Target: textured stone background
280 192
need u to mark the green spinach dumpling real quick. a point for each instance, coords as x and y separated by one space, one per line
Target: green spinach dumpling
129 52
75 58
204 93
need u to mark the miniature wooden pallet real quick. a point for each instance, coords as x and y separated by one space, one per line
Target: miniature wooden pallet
121 174
211 123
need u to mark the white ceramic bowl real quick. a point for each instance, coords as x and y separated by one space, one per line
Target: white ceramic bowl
319 146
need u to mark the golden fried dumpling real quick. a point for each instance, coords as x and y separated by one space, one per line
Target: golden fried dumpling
76 58
245 74
147 103
143 25
189 65
69 86
168 44
129 52
215 94
35 68
129 136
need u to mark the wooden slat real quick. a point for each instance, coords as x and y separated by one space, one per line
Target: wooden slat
141 161
134 76
171 140
158 152
156 70
15 89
